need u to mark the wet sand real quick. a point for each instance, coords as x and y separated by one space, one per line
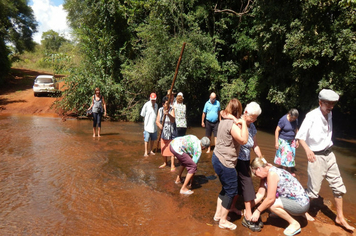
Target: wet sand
58 180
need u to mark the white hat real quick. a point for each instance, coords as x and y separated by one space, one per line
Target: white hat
181 94
328 95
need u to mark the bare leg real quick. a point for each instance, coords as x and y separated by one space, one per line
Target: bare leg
278 210
173 167
340 219
99 129
248 209
233 206
179 176
94 131
186 181
218 209
224 223
209 146
164 162
151 151
146 144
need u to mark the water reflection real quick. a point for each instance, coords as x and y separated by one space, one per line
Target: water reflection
56 179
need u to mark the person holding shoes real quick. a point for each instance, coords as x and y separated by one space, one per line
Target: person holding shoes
286 197
188 149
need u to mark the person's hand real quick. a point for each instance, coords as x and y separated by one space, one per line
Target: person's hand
240 121
310 155
165 112
202 124
297 144
255 216
105 113
276 146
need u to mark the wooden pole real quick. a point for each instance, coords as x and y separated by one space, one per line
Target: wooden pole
170 95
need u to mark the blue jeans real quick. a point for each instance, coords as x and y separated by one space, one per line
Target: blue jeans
228 179
97 119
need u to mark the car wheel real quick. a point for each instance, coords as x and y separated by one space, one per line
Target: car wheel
35 94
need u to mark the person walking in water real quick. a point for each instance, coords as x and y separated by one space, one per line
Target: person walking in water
315 137
210 117
149 113
188 149
98 107
285 142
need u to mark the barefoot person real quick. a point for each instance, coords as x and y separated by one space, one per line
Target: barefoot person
187 149
315 137
167 127
149 113
210 117
285 195
285 142
99 106
229 138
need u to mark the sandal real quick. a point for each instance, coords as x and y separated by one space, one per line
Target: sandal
218 219
251 225
230 226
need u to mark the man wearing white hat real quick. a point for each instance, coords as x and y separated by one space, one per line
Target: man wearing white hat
315 137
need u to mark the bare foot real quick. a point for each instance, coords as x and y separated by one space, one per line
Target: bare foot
99 135
93 135
152 153
308 217
344 224
208 151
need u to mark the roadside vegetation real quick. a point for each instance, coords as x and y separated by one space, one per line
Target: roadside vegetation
280 54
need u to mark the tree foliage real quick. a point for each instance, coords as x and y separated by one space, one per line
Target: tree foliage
52 41
17 25
280 54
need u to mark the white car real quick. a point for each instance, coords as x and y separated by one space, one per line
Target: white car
45 84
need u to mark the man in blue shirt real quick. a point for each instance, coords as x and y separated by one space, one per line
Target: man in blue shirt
211 117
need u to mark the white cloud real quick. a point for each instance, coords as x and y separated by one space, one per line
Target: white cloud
50 17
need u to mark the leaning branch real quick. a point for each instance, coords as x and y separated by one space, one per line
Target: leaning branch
246 9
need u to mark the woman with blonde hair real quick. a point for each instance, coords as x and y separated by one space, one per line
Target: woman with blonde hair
99 107
180 112
285 195
229 138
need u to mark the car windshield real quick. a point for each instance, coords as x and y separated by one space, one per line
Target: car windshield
44 80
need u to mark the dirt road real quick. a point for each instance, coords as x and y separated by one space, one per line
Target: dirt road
16 96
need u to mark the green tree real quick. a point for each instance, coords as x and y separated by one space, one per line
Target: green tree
17 25
52 41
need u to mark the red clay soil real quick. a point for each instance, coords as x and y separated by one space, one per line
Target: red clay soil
17 97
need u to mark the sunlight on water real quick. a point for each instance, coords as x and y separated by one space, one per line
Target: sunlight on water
57 179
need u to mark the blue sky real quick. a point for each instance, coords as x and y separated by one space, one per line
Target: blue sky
50 15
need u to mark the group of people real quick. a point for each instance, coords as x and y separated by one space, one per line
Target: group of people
171 119
279 191
234 138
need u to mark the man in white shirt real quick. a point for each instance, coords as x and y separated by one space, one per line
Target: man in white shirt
149 112
315 137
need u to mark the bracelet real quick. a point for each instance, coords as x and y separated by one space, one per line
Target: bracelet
258 210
